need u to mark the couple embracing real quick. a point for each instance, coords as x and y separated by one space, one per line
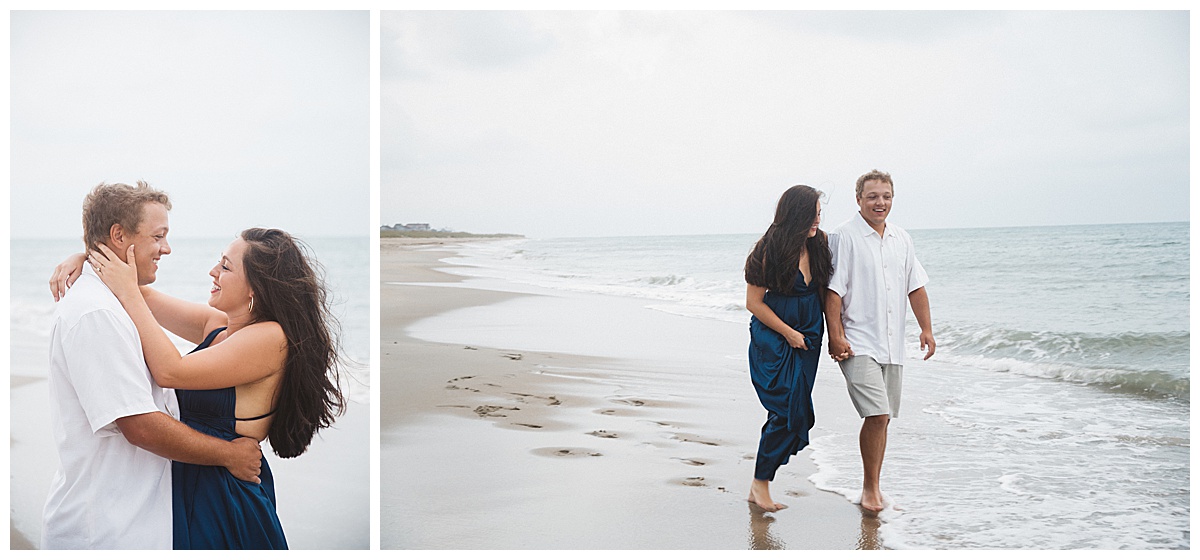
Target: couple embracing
860 281
159 450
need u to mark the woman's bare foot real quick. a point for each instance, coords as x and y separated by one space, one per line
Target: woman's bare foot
760 495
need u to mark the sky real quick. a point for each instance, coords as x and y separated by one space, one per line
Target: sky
563 124
244 118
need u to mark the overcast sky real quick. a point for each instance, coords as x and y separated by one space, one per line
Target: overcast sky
580 123
244 118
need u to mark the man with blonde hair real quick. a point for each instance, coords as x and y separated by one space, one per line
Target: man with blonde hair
876 276
114 427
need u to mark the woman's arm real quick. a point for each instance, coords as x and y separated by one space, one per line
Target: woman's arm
64 275
755 305
188 320
254 353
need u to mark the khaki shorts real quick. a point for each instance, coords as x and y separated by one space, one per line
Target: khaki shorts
874 388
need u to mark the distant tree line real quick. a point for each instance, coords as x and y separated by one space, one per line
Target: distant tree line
421 230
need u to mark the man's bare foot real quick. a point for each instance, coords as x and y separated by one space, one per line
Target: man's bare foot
872 501
760 495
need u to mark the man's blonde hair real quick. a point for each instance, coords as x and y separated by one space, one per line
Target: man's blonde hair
116 203
874 175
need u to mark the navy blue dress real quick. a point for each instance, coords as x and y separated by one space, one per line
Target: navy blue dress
212 509
783 376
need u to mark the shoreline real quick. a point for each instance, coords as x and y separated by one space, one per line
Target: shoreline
563 450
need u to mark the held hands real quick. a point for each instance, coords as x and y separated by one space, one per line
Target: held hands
120 276
839 348
245 461
65 274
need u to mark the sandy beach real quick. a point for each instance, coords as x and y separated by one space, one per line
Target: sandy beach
323 496
518 420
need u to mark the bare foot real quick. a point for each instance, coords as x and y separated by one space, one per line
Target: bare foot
872 501
760 495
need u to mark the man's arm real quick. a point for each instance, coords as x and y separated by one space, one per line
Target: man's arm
839 282
839 347
166 437
919 300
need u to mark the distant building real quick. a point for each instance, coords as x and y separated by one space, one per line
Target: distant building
406 227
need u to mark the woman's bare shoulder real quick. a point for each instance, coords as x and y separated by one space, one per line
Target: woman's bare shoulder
264 332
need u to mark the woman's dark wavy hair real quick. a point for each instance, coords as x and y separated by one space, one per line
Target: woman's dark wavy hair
288 290
773 262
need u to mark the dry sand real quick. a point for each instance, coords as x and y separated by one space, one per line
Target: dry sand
622 444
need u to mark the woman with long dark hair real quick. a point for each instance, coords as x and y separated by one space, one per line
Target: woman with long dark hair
265 367
786 273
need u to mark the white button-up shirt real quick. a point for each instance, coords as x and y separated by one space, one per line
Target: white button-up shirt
107 493
874 276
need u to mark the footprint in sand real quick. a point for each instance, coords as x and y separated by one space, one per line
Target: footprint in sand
630 402
694 439
550 401
603 434
627 411
692 462
490 411
451 384
695 481
462 388
565 452
663 424
795 493
534 426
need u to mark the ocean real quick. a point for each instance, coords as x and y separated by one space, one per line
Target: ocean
1055 414
184 274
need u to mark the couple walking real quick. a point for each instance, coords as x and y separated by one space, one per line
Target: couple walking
860 281
159 450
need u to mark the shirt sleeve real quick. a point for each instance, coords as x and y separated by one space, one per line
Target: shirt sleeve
106 367
916 273
840 279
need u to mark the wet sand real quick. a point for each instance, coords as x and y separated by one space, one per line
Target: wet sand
570 421
323 496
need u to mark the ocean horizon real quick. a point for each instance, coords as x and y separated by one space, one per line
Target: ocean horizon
826 226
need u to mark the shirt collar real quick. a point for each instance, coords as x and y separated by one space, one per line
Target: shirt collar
865 229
